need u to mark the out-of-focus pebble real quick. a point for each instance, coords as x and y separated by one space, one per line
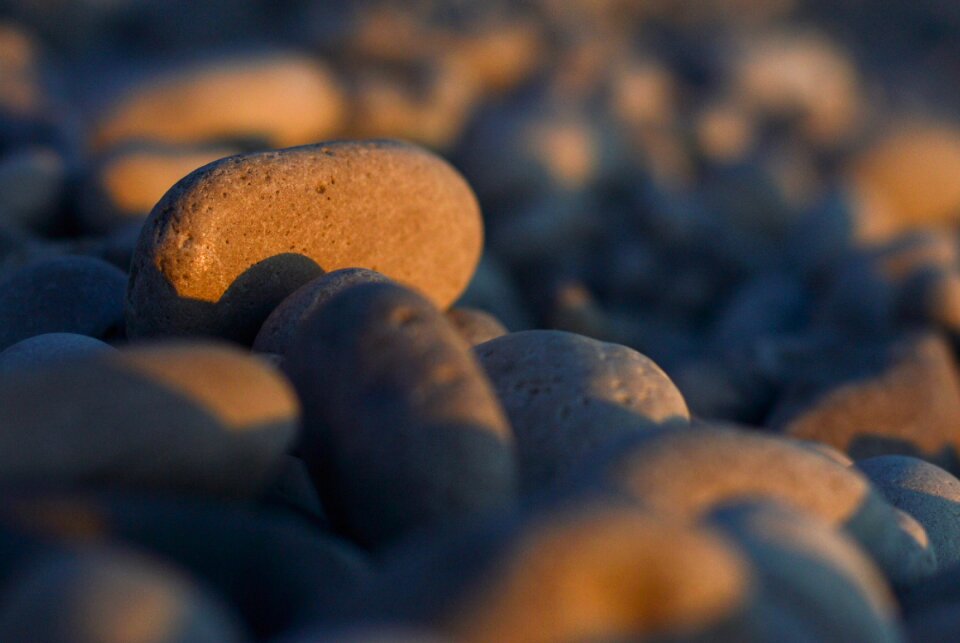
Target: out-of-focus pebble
475 326
49 349
409 432
324 208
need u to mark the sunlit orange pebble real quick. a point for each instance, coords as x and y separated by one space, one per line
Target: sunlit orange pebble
605 573
112 596
643 93
805 73
910 405
230 241
688 472
501 56
197 418
282 99
430 104
129 182
907 180
21 91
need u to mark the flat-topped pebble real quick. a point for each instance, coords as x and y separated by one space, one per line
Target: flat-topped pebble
595 571
926 492
278 330
408 432
814 580
907 403
200 418
281 99
230 241
62 295
49 348
687 472
568 395
111 596
475 326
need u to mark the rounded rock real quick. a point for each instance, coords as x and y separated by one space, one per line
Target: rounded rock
230 241
408 432
924 491
199 418
476 326
278 330
567 396
688 472
111 596
49 348
63 295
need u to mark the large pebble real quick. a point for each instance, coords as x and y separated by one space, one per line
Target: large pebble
687 472
199 418
63 295
595 571
278 330
277 571
816 584
227 243
112 596
49 348
408 431
907 401
568 395
282 99
926 492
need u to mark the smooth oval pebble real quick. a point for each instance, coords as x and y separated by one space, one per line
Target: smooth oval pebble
278 330
926 492
198 418
401 428
687 472
230 241
62 295
475 326
568 396
112 596
49 348
594 571
815 575
283 99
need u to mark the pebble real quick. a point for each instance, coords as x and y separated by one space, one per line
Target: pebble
49 349
323 206
278 330
278 572
224 421
688 472
567 396
475 326
815 583
282 99
409 432
924 491
127 183
591 571
113 596
61 295
33 183
907 401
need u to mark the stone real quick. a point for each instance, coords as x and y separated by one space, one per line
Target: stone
67 294
814 581
33 182
126 183
924 491
112 595
278 330
278 572
906 402
408 433
475 326
48 349
281 98
203 419
568 396
230 241
688 472
587 571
